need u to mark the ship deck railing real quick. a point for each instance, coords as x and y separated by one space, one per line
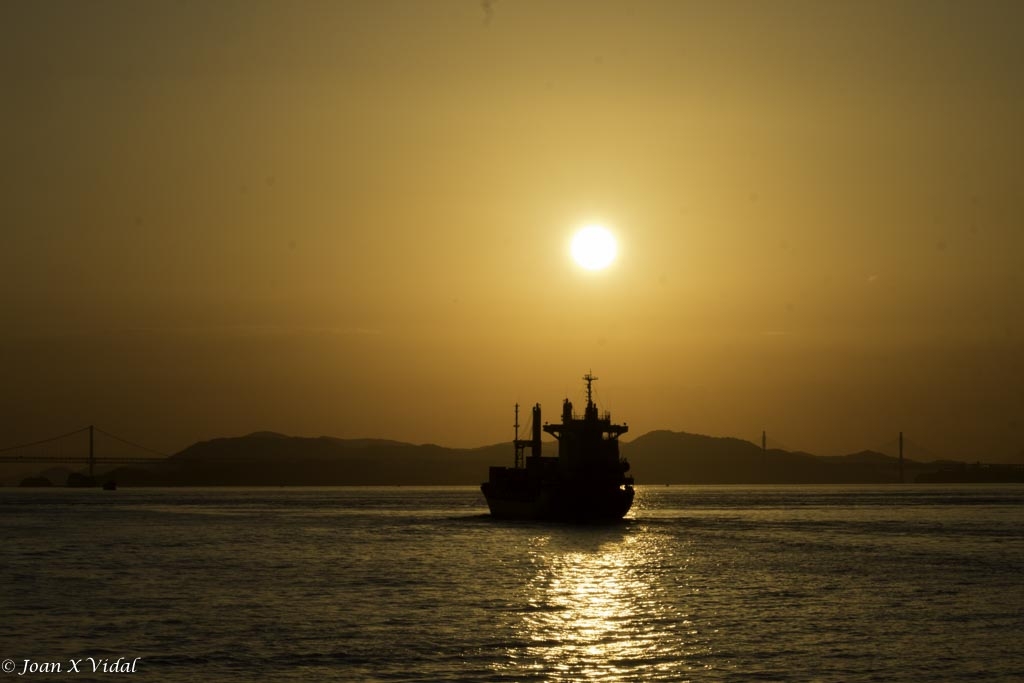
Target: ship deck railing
605 416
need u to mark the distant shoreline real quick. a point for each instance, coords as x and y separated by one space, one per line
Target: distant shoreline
657 458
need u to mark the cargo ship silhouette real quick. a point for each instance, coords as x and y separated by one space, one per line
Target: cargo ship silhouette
585 482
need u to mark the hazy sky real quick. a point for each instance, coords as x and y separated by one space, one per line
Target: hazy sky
352 219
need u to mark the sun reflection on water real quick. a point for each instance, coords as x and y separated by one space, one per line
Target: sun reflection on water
598 607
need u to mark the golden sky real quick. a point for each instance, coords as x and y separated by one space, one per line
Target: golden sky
352 219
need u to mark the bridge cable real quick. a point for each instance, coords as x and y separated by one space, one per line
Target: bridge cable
132 444
42 441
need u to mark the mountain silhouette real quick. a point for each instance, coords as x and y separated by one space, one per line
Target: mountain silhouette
270 459
681 458
658 457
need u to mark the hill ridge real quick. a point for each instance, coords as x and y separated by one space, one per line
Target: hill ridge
658 457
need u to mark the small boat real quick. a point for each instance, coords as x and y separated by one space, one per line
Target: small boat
586 482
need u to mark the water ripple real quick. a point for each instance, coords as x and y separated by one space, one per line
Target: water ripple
721 583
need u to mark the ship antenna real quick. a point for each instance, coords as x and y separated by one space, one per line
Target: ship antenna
589 377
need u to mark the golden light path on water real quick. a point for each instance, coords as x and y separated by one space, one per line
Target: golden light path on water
598 607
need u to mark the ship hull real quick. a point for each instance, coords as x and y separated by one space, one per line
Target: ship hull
559 504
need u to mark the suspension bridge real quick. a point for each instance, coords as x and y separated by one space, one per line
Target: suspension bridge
911 449
67 448
895 447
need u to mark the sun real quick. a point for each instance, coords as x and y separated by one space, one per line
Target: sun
593 247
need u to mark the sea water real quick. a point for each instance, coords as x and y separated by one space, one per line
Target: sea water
387 584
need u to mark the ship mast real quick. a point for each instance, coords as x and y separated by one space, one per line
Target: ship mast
519 449
589 377
591 411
